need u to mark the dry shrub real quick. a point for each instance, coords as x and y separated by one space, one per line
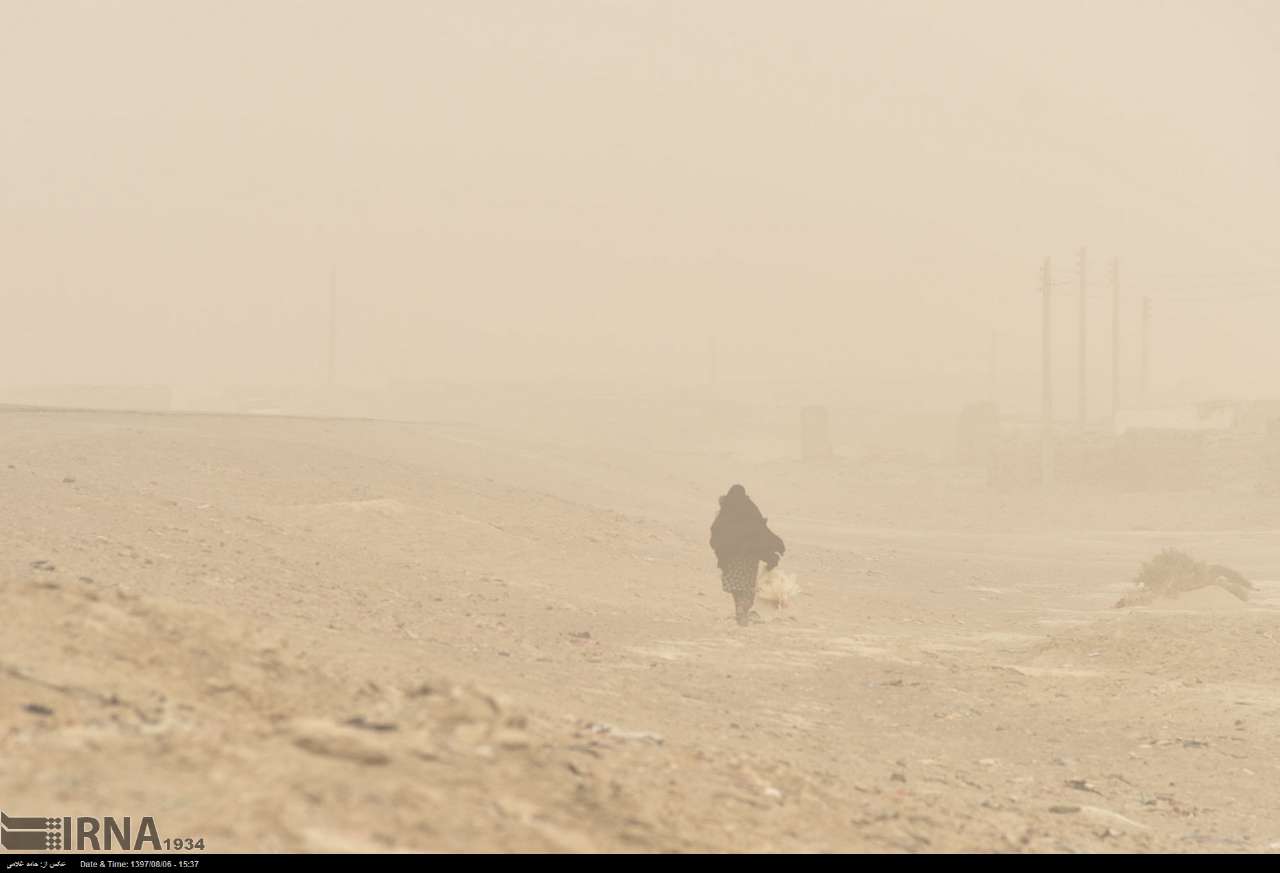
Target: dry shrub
1173 572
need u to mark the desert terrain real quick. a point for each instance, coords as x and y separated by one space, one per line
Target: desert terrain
295 634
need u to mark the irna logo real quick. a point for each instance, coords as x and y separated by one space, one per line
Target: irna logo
78 834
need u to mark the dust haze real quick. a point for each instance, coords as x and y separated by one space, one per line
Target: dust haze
371 376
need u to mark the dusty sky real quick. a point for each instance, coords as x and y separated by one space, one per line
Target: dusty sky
837 191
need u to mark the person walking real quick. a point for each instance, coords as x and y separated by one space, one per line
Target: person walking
741 539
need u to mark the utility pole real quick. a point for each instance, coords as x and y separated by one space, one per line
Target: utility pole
333 320
1146 348
995 367
1046 388
1115 337
1084 289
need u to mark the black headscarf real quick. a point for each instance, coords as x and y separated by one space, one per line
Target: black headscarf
741 531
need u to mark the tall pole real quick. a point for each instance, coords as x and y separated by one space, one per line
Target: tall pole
333 320
1115 337
995 367
1084 289
1046 388
1146 348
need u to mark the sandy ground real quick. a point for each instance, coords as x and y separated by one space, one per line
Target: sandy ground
289 635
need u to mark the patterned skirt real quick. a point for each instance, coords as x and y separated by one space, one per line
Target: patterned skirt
739 575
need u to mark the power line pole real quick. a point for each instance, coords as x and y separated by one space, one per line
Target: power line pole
1084 288
1115 337
1046 387
333 320
1146 348
995 367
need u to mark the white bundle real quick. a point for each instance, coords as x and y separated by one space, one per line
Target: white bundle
778 588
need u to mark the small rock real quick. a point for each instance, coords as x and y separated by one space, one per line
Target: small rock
323 738
359 721
38 709
1107 815
68 480
1082 785
612 731
1064 809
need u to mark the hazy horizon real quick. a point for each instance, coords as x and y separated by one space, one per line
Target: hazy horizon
839 193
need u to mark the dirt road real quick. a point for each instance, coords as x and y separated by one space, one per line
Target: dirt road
289 634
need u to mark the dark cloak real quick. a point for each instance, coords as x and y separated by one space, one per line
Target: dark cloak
740 531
